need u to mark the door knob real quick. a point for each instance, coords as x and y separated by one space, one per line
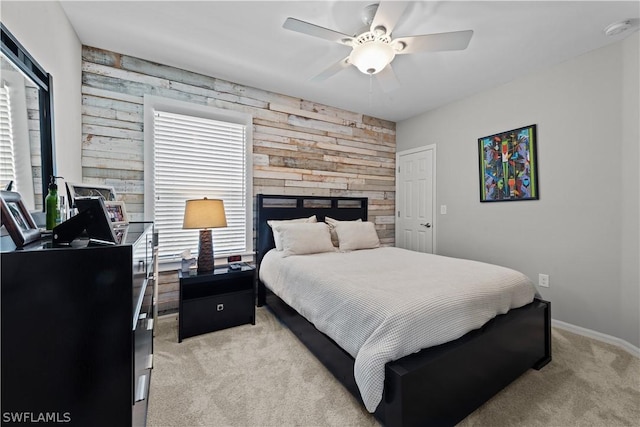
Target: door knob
428 225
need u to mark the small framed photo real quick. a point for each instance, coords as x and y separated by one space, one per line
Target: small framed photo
17 219
117 213
107 192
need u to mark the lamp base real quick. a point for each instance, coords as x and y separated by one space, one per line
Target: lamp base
205 252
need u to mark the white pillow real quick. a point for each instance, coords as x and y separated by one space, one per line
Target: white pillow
304 238
273 223
332 228
357 235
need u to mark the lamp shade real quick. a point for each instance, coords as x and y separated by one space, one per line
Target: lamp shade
204 213
371 57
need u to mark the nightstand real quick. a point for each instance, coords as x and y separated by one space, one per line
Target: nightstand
217 300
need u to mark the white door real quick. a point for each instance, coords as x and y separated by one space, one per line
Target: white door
415 199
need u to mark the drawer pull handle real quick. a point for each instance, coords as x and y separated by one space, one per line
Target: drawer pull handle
220 307
149 362
141 389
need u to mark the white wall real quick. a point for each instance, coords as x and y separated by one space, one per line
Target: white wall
630 187
584 230
44 30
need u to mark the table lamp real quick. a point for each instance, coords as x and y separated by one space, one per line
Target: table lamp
204 214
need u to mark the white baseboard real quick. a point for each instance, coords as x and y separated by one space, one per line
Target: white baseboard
628 347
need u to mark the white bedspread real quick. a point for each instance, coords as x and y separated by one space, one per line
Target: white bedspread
382 304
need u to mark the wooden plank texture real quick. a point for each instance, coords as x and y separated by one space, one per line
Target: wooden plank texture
299 147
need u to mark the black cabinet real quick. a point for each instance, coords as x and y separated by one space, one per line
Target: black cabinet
217 300
70 331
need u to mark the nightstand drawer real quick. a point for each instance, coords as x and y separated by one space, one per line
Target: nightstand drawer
216 312
217 285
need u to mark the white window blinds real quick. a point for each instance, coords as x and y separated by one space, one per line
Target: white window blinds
194 158
7 154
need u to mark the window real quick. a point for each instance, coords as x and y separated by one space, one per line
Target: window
20 154
195 152
7 158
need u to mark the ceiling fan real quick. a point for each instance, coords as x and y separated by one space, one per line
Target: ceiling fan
373 47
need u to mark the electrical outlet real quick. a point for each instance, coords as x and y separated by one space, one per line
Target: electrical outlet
443 209
543 280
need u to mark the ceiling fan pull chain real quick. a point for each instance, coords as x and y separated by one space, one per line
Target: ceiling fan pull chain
370 90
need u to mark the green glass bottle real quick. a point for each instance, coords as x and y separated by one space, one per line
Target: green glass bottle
51 205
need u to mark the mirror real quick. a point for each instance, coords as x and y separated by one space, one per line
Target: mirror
26 125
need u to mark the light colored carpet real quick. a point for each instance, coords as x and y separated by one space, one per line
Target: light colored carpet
263 376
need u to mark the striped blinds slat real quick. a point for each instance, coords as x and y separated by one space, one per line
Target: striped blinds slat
195 158
7 153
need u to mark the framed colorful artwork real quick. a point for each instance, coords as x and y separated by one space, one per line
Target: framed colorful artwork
508 166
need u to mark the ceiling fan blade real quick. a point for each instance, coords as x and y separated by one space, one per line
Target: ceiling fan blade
333 69
303 27
457 40
387 79
388 14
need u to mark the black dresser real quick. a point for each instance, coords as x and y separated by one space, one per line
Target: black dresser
77 331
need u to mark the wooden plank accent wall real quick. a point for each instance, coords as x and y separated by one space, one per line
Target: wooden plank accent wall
299 147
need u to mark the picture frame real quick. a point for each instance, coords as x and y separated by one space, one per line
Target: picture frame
509 165
17 219
107 192
117 213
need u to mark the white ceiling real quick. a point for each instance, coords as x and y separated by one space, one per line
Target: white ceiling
244 42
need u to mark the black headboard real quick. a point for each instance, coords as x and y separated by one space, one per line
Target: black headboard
291 207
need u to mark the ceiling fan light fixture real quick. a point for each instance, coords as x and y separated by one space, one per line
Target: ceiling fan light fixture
372 48
371 57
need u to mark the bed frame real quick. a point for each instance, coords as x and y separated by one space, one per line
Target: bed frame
439 385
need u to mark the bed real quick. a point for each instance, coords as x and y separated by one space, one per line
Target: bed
439 385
